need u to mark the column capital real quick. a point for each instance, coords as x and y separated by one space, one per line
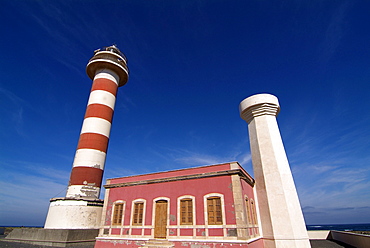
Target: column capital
258 105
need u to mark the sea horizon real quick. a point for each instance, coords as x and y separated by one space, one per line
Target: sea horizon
340 227
334 227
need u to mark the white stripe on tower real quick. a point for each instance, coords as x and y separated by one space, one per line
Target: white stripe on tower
102 97
88 165
96 125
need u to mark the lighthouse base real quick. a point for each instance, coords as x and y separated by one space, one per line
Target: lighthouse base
71 213
54 237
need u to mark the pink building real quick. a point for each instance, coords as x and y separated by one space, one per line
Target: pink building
210 205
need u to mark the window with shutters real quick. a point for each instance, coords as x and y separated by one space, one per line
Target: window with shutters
117 213
186 211
248 208
137 218
214 210
254 215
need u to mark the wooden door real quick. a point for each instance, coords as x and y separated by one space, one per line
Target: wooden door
160 225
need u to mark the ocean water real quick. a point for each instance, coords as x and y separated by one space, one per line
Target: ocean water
340 227
336 227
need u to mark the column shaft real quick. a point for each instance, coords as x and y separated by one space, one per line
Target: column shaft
280 211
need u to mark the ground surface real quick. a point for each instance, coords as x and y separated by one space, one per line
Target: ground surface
328 244
314 244
6 244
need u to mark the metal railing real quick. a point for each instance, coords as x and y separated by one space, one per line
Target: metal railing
107 56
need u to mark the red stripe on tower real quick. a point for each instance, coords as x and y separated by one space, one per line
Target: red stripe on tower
105 84
82 175
93 141
99 110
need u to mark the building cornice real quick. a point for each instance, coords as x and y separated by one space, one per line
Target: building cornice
187 177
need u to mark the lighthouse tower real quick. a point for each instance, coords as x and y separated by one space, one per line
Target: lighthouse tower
82 208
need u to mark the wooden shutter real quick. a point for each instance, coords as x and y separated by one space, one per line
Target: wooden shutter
117 214
214 211
254 215
249 219
186 214
138 213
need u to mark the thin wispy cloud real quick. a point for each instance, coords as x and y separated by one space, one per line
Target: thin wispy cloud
194 158
318 169
335 215
198 159
34 184
27 196
336 186
245 158
334 33
66 37
15 109
11 96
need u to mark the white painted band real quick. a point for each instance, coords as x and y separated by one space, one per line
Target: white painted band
96 125
89 158
68 203
102 97
69 214
83 190
108 74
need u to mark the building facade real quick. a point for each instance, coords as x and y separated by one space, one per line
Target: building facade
210 205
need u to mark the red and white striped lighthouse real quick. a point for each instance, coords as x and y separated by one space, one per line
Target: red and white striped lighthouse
109 71
81 208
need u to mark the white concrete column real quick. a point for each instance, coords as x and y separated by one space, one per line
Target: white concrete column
281 216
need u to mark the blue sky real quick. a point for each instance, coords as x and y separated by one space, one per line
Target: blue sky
191 64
